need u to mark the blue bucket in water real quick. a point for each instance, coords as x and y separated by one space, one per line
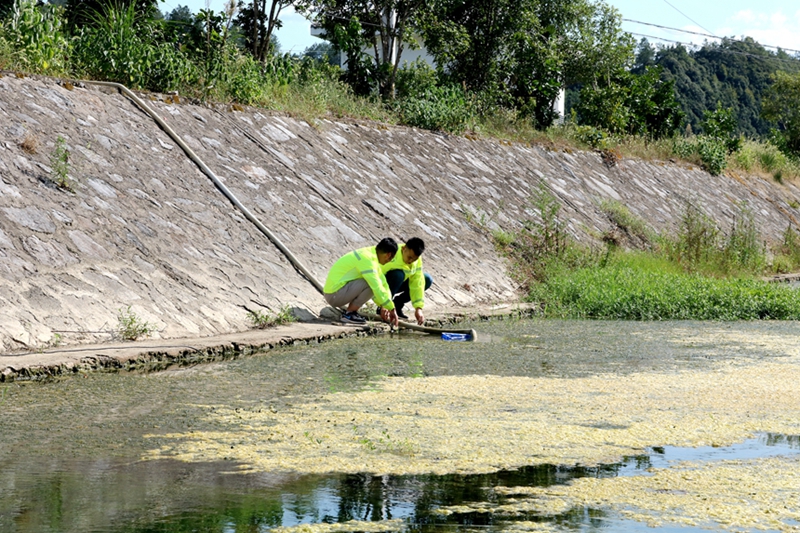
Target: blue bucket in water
455 336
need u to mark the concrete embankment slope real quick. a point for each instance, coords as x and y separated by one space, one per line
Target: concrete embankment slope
145 228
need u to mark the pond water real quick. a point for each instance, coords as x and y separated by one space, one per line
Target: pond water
71 449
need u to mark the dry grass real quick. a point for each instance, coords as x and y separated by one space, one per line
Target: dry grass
29 143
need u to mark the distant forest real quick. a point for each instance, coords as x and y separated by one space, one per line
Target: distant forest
734 74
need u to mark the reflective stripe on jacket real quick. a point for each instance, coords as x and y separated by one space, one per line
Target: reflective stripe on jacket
413 273
361 263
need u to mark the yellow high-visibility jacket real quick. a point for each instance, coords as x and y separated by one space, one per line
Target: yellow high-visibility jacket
413 273
361 263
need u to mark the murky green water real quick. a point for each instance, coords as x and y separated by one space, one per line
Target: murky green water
70 449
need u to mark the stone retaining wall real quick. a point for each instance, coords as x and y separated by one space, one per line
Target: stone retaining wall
146 229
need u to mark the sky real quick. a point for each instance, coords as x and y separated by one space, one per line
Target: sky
773 23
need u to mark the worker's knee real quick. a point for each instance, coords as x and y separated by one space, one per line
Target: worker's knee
428 281
395 279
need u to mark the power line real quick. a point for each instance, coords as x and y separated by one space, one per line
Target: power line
685 15
727 50
707 35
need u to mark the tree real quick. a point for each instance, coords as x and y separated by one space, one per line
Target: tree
384 26
258 25
520 53
781 105
182 28
645 56
641 104
324 52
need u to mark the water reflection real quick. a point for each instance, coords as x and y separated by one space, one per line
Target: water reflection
112 496
69 450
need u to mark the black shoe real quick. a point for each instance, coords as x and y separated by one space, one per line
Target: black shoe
352 317
400 313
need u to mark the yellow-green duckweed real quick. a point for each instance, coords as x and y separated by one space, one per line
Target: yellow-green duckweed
475 424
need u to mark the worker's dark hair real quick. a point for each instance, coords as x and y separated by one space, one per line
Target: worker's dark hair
387 244
416 244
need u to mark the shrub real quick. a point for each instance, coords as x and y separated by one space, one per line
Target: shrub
720 124
592 136
446 108
787 258
415 79
245 82
130 327
121 46
37 34
541 247
711 153
621 216
696 241
6 52
743 251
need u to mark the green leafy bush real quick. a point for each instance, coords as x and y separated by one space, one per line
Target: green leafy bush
130 327
415 79
122 47
721 125
59 166
445 108
37 34
713 153
627 103
245 82
592 136
710 153
542 246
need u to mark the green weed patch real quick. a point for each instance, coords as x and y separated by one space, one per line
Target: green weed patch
626 293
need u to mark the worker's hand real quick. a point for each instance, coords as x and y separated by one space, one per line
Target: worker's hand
384 314
419 316
392 319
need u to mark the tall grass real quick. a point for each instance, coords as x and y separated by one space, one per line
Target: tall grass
700 273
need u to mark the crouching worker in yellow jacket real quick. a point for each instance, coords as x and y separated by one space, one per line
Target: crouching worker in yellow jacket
356 277
407 282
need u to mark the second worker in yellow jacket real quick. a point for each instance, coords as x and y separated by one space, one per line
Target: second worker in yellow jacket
407 282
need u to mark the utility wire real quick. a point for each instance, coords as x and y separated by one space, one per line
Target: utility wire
707 35
735 52
685 15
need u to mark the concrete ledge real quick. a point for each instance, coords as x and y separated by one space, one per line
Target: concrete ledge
154 355
160 354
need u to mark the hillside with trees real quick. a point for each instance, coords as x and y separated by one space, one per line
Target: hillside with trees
734 74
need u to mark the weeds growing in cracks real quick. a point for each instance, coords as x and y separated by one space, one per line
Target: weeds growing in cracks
262 320
59 166
131 327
